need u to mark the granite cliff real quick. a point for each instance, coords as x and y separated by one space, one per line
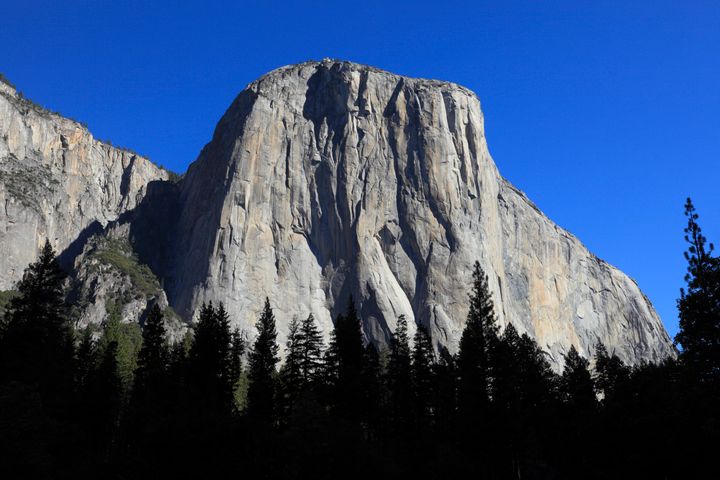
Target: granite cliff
325 180
60 183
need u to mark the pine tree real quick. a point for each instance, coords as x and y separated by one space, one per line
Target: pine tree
348 336
610 372
236 353
445 392
107 402
330 372
506 365
210 361
372 388
153 355
539 382
311 349
151 371
577 384
399 377
423 363
128 338
348 351
291 378
477 340
152 400
38 342
226 361
263 358
699 305
86 356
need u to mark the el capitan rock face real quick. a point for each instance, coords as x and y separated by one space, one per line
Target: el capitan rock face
322 180
328 178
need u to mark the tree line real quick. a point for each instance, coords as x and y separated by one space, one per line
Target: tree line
75 406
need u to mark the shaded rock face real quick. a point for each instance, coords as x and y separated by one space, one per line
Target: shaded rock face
58 182
328 179
107 279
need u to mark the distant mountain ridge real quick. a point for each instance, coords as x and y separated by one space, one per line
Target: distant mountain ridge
324 180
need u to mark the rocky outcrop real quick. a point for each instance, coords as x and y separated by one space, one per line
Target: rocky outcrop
328 179
108 279
58 182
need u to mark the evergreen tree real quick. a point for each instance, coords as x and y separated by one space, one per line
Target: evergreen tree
445 392
226 362
106 391
399 377
610 372
86 356
578 413
423 362
291 378
577 384
38 342
263 358
539 381
153 355
236 353
210 362
522 392
152 400
477 340
371 387
506 365
699 305
330 372
311 346
151 373
348 337
348 351
128 338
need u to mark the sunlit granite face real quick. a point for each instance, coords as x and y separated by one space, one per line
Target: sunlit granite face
328 178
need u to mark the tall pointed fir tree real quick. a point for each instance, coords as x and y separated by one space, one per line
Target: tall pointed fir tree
577 385
507 385
347 350
153 355
291 379
311 349
423 363
577 391
38 343
262 362
371 378
611 374
237 351
209 362
150 394
478 338
699 304
106 406
399 381
444 395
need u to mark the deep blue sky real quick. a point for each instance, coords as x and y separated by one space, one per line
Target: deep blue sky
606 113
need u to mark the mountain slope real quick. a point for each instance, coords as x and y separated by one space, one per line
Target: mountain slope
58 182
327 179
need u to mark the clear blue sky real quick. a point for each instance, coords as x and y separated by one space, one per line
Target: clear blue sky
606 113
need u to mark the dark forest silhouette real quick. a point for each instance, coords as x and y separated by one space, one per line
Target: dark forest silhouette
123 407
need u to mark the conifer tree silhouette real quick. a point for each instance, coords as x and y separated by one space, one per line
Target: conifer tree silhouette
262 372
699 305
